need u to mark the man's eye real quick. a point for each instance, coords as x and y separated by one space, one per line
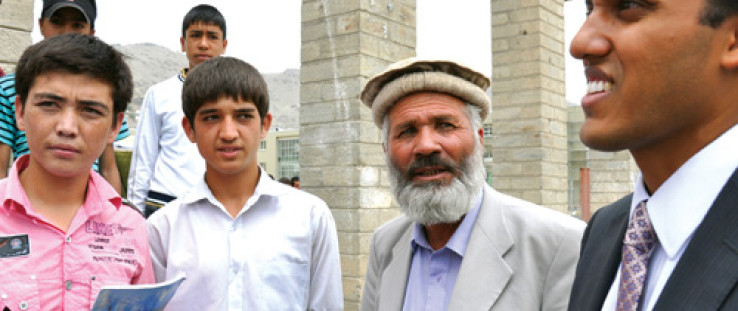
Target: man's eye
629 4
210 118
406 132
93 111
446 125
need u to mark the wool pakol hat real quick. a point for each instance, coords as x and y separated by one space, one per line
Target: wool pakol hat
415 75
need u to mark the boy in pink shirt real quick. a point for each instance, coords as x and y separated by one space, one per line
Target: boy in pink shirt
64 232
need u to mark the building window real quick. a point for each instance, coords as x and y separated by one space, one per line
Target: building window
487 157
487 130
262 145
288 158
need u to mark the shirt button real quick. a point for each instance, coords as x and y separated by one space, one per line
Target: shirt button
33 276
23 305
4 296
68 285
69 239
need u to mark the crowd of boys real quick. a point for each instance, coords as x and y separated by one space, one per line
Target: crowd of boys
247 242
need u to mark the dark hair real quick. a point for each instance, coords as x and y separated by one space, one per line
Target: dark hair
716 11
285 181
224 77
203 13
294 179
79 55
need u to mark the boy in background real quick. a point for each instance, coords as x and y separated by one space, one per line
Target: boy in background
164 163
63 230
245 241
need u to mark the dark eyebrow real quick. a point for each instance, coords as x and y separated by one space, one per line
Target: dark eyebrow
94 104
444 118
214 33
49 96
207 111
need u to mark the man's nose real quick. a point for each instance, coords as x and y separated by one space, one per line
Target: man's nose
592 38
426 142
67 123
228 129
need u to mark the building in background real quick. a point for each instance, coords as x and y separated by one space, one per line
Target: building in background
279 153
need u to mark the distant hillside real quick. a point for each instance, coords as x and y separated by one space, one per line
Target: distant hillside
151 63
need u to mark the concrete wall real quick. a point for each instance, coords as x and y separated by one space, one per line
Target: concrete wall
344 42
16 23
529 108
611 174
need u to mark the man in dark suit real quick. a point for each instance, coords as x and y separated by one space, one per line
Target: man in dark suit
663 83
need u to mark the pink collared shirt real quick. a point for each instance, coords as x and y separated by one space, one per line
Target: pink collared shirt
44 268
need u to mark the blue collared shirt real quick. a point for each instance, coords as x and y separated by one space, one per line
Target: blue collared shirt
433 273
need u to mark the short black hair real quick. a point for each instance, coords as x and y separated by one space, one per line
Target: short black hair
206 14
716 11
224 77
294 179
80 55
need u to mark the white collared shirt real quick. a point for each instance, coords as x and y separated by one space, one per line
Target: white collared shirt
279 253
677 208
163 160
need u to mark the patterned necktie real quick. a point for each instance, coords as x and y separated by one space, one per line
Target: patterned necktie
639 240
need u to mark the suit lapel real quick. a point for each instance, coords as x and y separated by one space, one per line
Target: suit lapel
708 269
394 278
484 273
600 258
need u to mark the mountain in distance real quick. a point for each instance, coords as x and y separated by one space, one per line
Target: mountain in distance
151 64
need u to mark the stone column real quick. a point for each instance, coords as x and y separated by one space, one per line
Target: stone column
16 23
529 107
344 43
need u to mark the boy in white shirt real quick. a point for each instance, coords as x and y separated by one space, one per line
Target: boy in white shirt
245 241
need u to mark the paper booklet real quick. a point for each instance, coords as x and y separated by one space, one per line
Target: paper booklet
145 297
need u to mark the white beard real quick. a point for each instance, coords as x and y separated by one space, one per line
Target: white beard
433 203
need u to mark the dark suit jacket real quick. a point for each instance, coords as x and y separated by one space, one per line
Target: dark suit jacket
706 277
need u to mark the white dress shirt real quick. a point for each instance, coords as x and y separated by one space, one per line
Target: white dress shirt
163 160
677 208
279 253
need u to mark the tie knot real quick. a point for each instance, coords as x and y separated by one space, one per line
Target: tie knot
640 232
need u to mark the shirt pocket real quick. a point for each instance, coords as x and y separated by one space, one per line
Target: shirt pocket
19 294
286 284
98 281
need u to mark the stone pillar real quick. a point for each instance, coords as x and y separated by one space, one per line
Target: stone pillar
344 43
16 23
529 107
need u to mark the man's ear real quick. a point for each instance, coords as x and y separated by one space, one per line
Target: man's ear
265 125
182 42
730 55
19 114
41 26
480 132
116 127
189 129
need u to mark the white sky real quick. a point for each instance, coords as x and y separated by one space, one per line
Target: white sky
267 33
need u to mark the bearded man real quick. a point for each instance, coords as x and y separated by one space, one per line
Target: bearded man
460 245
